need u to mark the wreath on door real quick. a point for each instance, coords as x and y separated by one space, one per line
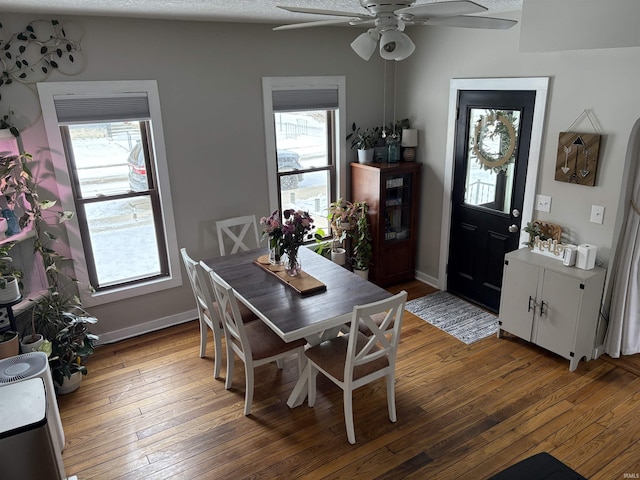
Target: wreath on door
488 127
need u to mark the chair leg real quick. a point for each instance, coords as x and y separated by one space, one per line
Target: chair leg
311 384
230 362
348 415
217 363
248 394
391 397
203 337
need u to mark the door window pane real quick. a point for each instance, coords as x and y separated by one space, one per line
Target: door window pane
492 142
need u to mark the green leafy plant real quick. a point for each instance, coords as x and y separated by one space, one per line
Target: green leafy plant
58 314
393 132
72 343
361 235
534 229
7 269
341 220
363 139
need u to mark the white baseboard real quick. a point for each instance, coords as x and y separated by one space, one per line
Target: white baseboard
142 328
429 280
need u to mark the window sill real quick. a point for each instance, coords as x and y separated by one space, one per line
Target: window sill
90 299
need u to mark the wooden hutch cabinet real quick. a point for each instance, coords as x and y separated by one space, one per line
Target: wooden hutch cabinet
392 192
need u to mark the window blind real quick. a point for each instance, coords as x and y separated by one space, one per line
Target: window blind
92 109
305 99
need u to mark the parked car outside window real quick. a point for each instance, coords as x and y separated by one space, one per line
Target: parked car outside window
137 169
289 161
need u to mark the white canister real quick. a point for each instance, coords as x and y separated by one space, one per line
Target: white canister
586 256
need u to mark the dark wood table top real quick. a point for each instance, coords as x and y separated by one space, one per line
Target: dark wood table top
290 314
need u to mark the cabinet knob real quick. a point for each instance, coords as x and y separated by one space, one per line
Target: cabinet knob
513 228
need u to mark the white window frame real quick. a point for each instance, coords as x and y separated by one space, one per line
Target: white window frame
269 84
47 91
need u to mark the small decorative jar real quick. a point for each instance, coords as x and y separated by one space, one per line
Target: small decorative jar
13 227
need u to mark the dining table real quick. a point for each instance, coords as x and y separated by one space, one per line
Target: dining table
315 316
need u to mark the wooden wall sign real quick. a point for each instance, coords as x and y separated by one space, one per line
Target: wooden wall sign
577 158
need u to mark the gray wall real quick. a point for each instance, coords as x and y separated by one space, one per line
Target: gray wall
209 77
604 81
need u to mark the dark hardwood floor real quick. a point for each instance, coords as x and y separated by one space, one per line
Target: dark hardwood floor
150 409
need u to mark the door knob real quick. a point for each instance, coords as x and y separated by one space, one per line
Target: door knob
513 228
515 213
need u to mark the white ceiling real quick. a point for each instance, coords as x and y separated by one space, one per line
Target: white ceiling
251 11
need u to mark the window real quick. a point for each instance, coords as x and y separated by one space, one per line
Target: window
113 175
302 124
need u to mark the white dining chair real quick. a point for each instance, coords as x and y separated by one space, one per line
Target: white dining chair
208 312
240 230
355 359
254 343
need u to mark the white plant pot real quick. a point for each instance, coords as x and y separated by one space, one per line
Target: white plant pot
365 156
69 384
339 256
11 291
364 274
31 345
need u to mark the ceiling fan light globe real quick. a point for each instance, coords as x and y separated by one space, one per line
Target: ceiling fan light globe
390 41
405 49
365 44
395 45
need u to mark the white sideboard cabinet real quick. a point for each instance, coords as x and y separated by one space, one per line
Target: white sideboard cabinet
551 305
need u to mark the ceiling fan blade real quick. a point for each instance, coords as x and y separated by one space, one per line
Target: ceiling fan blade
442 9
319 11
472 22
319 23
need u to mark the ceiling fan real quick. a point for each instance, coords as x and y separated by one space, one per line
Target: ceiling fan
387 20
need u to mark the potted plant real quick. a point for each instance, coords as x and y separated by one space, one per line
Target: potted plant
9 345
58 314
9 276
70 347
362 242
340 219
364 140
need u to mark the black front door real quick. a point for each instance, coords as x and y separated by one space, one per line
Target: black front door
493 133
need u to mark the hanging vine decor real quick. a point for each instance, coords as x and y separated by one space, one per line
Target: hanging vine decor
30 56
495 126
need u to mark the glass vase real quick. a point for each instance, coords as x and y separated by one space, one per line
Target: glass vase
275 251
292 265
275 258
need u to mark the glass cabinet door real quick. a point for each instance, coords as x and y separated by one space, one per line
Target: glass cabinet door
397 207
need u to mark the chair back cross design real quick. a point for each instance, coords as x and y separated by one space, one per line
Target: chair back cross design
238 230
357 358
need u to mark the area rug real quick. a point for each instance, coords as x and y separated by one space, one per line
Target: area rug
455 316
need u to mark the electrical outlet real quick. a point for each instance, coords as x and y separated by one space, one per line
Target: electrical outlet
597 214
543 203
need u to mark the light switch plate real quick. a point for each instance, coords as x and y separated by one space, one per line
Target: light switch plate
543 203
597 214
